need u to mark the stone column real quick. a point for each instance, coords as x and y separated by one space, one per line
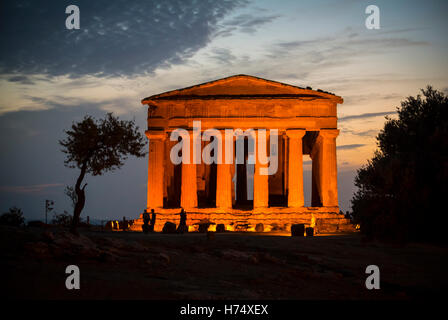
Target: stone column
316 193
328 167
295 168
224 186
261 182
188 193
224 178
156 157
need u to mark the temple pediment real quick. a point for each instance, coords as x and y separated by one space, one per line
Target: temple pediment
243 86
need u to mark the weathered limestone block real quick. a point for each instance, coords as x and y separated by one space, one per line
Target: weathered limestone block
183 228
108 226
345 225
169 227
309 231
297 230
273 219
327 225
203 227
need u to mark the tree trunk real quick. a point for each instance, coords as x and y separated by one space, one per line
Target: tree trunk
81 199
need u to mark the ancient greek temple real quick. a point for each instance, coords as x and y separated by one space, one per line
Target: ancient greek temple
237 195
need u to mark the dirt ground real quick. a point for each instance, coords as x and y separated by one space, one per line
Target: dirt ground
127 265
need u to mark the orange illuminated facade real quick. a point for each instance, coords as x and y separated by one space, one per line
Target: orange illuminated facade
237 195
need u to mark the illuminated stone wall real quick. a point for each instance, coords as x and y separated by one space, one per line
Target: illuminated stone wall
306 121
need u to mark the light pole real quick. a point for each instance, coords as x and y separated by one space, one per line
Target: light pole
48 208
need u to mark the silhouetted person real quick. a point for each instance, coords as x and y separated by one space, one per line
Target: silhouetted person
145 217
125 224
183 222
153 221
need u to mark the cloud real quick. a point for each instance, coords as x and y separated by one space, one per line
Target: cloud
245 23
116 38
339 45
365 133
21 79
360 99
116 105
350 146
341 49
248 23
402 30
222 55
38 188
366 115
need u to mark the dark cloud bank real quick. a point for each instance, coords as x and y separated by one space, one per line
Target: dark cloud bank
116 37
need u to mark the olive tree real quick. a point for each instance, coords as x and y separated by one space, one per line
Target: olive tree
97 146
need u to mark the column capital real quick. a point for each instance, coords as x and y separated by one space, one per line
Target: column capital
152 134
295 133
329 133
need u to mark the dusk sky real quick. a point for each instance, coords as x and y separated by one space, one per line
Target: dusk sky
128 50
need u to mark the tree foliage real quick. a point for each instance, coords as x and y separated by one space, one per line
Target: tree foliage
401 190
12 218
71 193
62 219
97 146
101 145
